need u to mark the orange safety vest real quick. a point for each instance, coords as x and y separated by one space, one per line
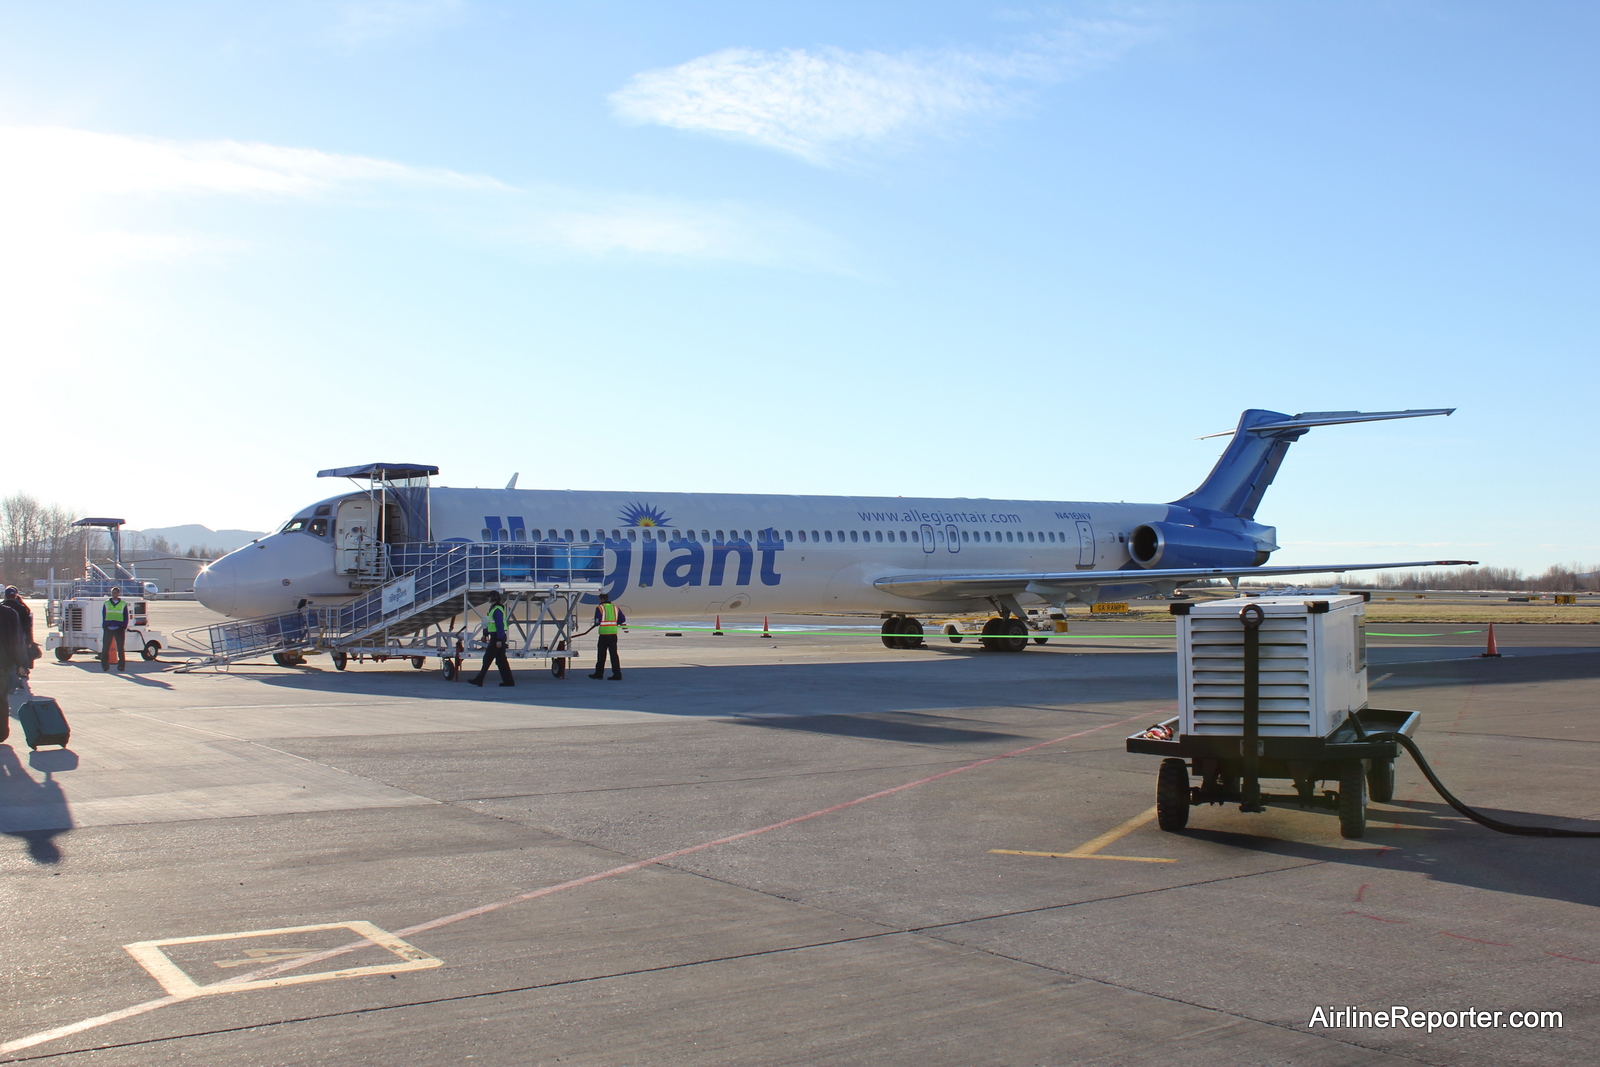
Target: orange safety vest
608 618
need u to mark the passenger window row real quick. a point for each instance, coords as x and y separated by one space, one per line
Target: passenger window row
658 533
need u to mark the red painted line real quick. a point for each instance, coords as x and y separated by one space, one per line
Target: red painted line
1374 918
1359 893
1576 959
1479 940
628 868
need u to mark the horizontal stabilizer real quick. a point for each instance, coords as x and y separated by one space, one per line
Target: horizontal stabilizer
962 586
1306 420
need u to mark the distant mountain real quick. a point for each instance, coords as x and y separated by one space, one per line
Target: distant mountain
183 538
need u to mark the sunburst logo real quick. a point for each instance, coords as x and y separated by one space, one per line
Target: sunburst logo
644 515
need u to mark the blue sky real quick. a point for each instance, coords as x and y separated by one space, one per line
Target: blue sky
920 249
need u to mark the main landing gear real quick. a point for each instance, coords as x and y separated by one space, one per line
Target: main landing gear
1004 635
902 632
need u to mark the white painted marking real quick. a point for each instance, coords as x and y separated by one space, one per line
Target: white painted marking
175 981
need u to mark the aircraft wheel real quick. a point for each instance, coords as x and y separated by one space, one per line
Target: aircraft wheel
910 633
150 651
952 633
890 631
992 629
1018 639
63 654
340 660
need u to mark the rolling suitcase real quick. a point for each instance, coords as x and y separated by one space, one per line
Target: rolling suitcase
43 723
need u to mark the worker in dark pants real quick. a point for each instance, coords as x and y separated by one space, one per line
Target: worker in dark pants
114 631
494 644
607 618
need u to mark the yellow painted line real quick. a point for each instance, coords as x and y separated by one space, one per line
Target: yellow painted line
1075 856
1089 850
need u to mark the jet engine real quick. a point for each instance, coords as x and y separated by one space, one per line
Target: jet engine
1168 544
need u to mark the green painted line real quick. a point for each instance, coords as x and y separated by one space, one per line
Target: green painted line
1452 633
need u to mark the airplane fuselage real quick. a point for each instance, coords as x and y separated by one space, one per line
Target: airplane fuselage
676 554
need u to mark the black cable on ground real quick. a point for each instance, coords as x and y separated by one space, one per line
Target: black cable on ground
1477 817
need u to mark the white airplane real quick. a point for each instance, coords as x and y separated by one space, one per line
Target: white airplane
691 554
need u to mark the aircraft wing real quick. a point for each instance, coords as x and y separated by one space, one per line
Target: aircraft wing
1055 583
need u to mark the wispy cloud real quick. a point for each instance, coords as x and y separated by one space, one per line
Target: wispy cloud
78 204
66 196
822 104
364 22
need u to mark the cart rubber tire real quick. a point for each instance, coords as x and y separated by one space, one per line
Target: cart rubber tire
287 659
1040 640
1016 639
952 633
558 667
1380 781
340 660
150 651
1353 801
63 654
1172 795
418 661
449 669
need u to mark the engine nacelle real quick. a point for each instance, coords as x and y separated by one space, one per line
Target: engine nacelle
1167 544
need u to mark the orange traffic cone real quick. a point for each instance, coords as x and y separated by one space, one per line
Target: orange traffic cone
1492 652
718 631
766 630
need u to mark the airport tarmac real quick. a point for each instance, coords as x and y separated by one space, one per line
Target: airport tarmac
807 849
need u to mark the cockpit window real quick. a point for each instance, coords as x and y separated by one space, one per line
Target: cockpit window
305 524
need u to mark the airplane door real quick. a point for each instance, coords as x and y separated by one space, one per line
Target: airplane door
351 530
952 539
1085 544
927 538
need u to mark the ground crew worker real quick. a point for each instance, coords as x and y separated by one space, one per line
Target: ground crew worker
607 618
114 630
494 644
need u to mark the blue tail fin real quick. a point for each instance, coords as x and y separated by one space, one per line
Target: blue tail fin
1250 462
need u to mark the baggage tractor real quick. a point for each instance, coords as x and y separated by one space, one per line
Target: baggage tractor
43 723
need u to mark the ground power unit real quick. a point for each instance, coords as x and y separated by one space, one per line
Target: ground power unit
1274 687
1312 665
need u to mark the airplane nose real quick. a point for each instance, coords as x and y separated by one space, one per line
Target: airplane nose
217 586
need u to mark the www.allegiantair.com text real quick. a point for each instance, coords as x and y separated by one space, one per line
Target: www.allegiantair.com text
1399 1016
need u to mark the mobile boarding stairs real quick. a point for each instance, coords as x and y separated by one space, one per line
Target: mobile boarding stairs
433 601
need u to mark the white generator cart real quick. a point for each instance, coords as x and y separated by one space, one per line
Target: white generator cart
1273 687
77 619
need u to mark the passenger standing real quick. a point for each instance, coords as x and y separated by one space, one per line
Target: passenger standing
494 644
607 617
29 650
114 630
11 654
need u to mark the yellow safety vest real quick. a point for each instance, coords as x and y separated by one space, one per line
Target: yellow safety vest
608 618
117 611
497 620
